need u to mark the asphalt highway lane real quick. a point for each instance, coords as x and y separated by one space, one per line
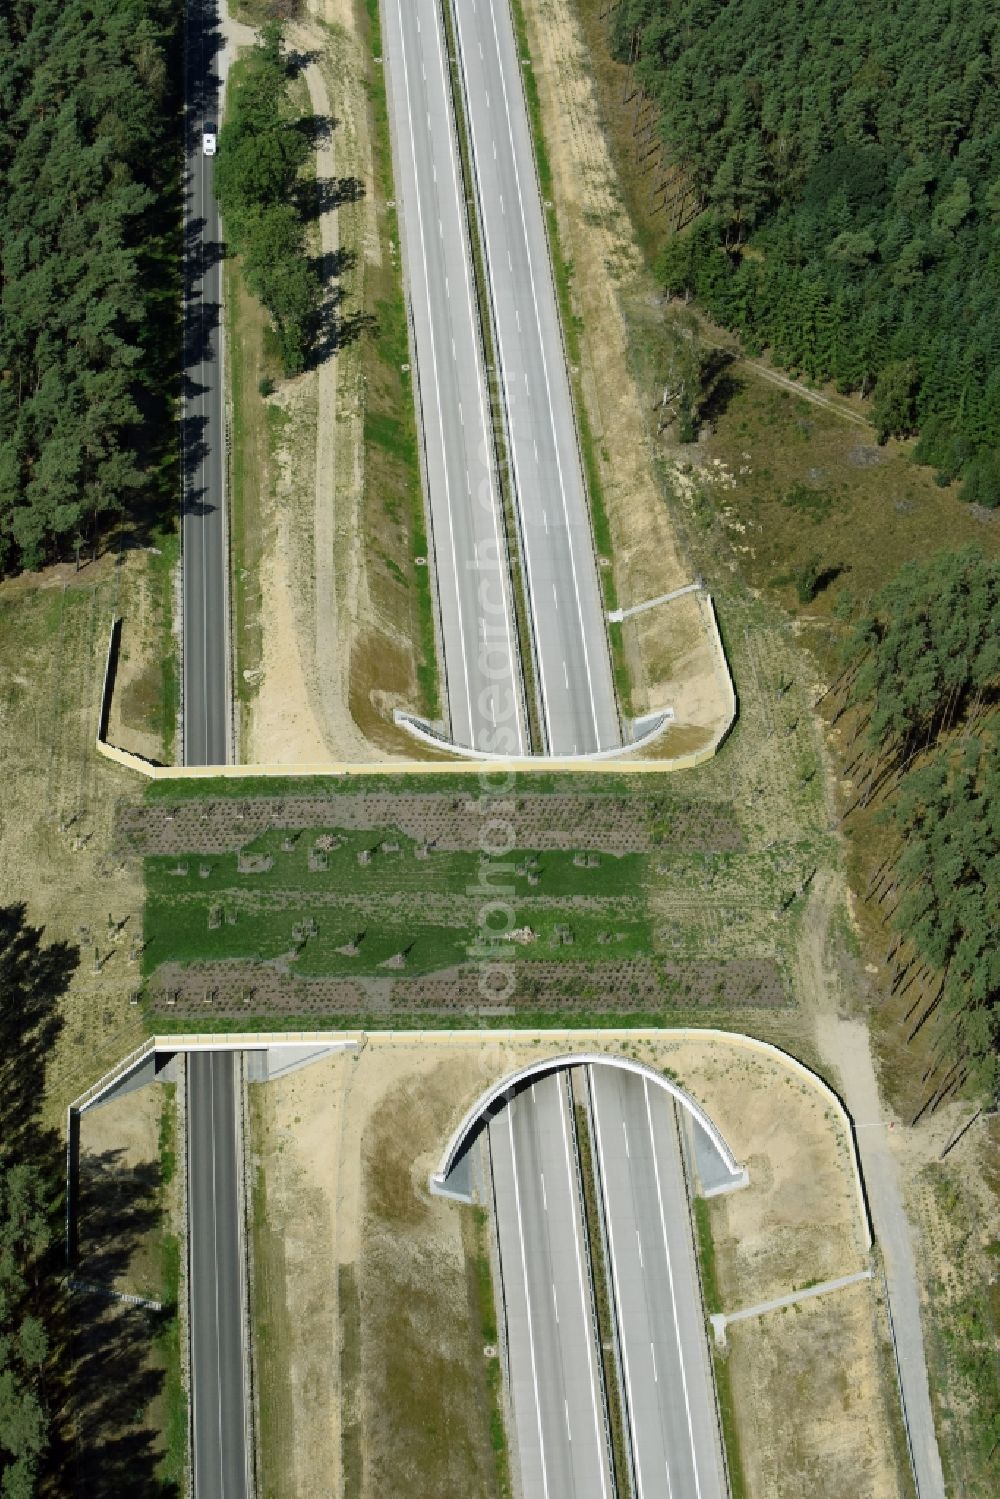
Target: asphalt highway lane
203 540
579 709
554 1367
218 1392
482 663
670 1411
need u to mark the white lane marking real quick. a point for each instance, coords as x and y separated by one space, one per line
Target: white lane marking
453 353
447 289
673 1298
434 173
508 608
534 444
527 387
555 595
460 415
569 1429
638 1242
494 143
517 316
527 1301
502 363
584 1308
545 519
555 1302
545 369
616 1289
545 1200
436 383
625 1133
652 1355
502 209
566 675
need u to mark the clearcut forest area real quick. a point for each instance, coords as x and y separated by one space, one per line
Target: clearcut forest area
848 162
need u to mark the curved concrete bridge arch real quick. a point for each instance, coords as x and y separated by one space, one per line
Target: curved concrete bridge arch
480 1110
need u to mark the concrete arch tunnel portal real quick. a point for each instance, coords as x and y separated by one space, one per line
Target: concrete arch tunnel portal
718 1167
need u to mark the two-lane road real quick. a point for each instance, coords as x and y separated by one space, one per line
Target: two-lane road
481 655
203 441
220 1457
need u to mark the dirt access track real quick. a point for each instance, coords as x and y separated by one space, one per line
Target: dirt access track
375 1348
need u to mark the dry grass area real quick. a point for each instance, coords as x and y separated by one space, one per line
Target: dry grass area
811 1400
372 1358
56 818
953 1205
667 650
119 1178
798 1221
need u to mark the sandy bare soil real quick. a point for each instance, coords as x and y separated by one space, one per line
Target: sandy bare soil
315 603
346 1147
667 649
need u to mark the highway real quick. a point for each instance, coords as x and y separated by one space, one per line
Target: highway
472 568
220 1456
553 1361
579 708
668 1398
206 685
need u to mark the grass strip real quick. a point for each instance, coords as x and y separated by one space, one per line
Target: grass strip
485 1307
562 272
392 461
602 1298
711 1297
164 559
525 634
173 1462
269 1321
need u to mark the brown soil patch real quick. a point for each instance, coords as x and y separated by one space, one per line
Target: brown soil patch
630 823
811 1403
667 663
